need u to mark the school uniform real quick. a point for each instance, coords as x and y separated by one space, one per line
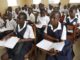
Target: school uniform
31 17
22 48
15 15
49 11
70 21
59 33
40 29
10 24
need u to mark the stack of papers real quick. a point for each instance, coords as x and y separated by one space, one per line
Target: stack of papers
47 45
10 43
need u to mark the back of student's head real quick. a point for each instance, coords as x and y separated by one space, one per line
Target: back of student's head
43 12
22 15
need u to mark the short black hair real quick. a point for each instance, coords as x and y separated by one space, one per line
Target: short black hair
52 15
22 14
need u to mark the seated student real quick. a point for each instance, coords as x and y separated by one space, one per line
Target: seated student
30 15
71 20
50 9
10 22
42 22
56 32
15 14
9 25
26 35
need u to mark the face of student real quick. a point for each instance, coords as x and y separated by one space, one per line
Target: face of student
20 20
55 19
72 13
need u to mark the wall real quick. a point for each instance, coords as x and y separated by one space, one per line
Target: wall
4 5
63 2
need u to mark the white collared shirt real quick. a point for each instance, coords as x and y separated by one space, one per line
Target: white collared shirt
31 17
42 21
29 31
11 25
64 32
70 20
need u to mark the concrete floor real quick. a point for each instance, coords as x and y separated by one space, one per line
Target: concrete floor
76 49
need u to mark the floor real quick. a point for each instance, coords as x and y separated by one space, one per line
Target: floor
76 48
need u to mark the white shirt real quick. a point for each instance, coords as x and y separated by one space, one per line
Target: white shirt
11 25
49 11
15 15
31 17
64 32
42 21
29 31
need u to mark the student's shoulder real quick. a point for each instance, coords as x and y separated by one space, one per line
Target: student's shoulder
29 26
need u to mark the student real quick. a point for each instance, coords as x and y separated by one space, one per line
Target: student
56 32
30 15
10 23
72 19
26 35
15 14
50 9
42 22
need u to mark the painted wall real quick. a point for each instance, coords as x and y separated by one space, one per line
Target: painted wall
63 2
4 5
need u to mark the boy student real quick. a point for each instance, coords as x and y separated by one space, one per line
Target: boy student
56 32
25 32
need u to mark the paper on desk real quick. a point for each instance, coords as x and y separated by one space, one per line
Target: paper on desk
10 43
47 45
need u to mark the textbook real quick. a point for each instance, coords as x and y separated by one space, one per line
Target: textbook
9 43
48 45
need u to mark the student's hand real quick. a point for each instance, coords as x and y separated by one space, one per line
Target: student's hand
53 52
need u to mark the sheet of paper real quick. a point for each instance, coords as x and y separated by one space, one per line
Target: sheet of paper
44 44
47 45
11 42
58 46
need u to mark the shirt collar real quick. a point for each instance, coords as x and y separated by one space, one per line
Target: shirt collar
20 29
58 28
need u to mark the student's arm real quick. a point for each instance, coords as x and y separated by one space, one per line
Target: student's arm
9 35
47 37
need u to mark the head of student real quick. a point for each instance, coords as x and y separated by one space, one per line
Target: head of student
54 18
30 10
22 17
72 12
43 12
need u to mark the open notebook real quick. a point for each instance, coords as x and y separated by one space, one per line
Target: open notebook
47 45
10 43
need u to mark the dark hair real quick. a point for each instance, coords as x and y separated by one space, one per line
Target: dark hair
22 14
52 15
72 9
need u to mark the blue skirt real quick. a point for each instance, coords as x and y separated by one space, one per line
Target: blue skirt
66 54
19 52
